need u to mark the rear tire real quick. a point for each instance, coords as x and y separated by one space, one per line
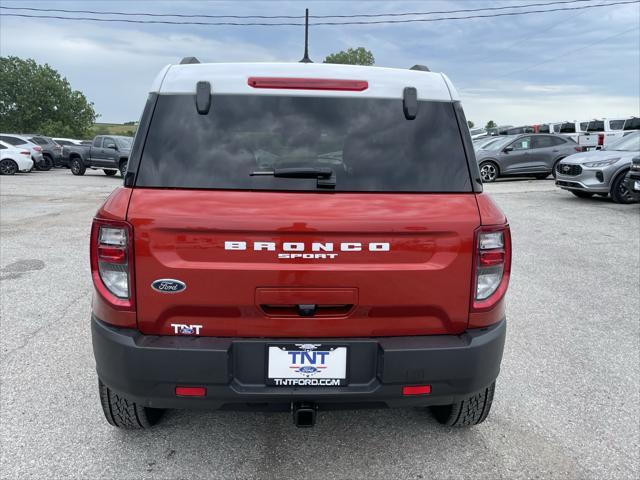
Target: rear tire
619 191
8 167
110 173
581 194
124 413
489 172
77 166
470 411
45 165
123 168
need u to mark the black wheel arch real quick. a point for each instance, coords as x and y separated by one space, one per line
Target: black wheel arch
491 160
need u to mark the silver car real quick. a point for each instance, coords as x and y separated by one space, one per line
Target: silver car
600 172
524 155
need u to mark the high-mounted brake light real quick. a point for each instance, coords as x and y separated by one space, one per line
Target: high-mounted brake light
112 262
491 265
308 83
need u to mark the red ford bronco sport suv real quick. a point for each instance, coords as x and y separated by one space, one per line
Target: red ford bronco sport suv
306 235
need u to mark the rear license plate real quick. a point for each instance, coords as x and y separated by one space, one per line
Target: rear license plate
636 185
307 365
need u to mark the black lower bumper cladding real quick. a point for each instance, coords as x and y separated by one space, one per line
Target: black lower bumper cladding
147 368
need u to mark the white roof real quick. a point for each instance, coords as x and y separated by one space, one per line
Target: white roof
231 78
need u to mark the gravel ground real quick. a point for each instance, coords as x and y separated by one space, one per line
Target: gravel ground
567 402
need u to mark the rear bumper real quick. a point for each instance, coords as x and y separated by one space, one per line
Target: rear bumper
147 368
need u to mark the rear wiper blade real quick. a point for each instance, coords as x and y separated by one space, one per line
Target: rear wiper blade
326 176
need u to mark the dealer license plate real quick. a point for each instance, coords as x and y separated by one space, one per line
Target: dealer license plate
307 365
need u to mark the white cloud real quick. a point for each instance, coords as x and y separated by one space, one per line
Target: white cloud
115 67
520 103
114 64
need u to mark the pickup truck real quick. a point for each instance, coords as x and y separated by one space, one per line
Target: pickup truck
107 152
602 133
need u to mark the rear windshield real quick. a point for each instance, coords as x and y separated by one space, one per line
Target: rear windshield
632 124
568 128
367 143
596 126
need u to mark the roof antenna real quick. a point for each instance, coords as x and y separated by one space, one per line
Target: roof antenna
306 58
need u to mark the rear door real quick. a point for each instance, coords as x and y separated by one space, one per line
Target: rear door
109 152
223 245
95 152
544 151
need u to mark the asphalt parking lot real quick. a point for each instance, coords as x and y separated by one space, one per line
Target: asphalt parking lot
567 401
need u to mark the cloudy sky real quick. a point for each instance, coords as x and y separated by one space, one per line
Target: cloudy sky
552 66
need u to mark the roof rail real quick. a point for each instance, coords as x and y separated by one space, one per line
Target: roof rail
189 60
422 68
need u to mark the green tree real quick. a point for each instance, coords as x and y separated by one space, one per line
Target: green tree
490 124
351 56
470 124
35 98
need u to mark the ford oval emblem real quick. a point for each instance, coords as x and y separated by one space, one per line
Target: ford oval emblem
307 369
168 285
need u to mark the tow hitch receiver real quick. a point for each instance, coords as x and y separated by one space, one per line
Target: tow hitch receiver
304 414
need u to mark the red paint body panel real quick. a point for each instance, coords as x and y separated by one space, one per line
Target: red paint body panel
490 213
419 287
116 205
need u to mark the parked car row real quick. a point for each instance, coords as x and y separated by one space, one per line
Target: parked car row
607 171
23 152
36 153
44 152
529 154
590 134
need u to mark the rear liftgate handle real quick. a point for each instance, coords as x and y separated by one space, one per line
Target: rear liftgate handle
306 310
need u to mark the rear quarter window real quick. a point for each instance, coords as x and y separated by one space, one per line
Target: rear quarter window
12 140
368 143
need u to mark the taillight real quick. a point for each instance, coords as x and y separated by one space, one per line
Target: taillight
308 83
492 266
579 149
25 152
37 148
600 139
112 262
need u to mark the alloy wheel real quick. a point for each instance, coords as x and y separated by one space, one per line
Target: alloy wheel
8 167
488 172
